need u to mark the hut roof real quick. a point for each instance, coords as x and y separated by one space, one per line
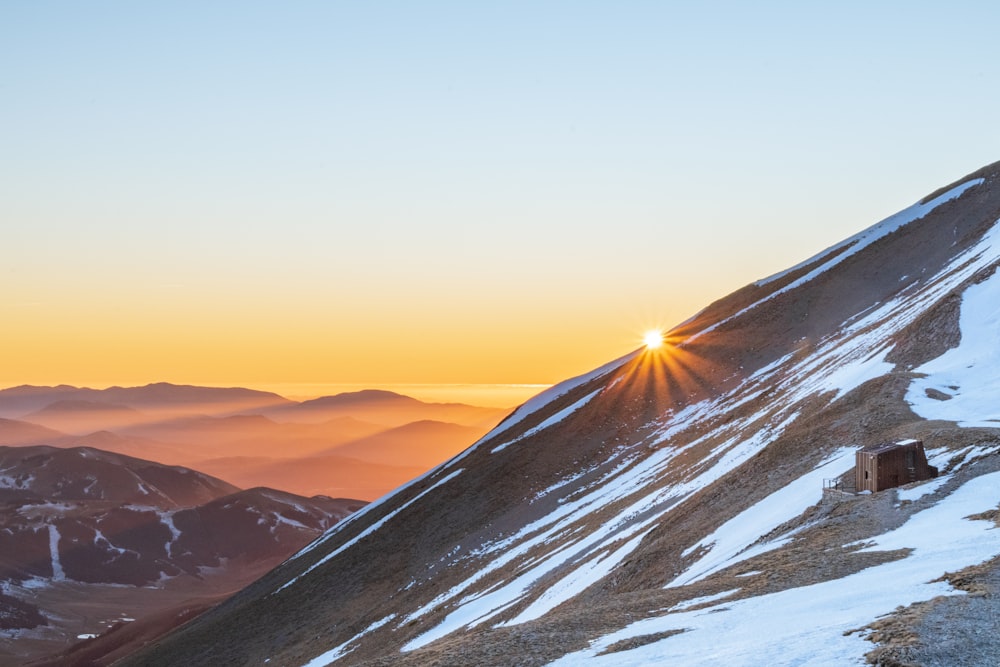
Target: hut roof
887 446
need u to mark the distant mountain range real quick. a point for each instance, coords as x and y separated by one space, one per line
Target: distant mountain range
384 407
251 437
39 404
155 398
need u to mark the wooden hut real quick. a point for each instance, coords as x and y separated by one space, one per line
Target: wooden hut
891 464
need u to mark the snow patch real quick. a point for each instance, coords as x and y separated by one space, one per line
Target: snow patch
167 519
101 540
340 651
705 599
281 519
57 570
554 419
968 455
919 491
38 509
964 379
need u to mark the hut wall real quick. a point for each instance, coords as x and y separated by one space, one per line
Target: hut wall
866 472
887 466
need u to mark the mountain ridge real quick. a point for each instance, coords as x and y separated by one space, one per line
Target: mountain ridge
22 399
583 528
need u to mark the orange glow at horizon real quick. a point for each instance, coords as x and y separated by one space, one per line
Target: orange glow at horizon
100 334
241 330
296 347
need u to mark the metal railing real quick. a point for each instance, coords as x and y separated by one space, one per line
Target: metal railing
841 484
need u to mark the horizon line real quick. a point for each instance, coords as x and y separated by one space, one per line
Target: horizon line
485 394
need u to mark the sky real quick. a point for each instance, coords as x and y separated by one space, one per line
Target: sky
446 193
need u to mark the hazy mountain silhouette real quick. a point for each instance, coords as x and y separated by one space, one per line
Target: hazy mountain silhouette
331 474
13 432
252 435
386 408
277 443
422 444
160 397
80 417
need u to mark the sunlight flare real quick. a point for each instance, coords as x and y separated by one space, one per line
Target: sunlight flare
653 339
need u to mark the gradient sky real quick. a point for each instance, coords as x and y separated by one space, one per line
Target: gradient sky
261 193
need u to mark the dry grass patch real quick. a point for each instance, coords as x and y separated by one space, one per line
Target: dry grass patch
972 579
641 640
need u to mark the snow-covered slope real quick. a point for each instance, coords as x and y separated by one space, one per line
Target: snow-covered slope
669 507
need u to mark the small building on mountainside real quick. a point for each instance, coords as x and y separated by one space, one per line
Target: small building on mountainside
887 465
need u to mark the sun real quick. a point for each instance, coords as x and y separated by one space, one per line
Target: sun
653 339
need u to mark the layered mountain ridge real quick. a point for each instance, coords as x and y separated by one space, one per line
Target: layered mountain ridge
355 444
86 535
155 397
659 508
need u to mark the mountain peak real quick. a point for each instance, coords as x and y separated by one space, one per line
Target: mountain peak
362 396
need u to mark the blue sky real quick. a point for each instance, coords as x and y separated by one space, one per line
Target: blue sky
521 172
